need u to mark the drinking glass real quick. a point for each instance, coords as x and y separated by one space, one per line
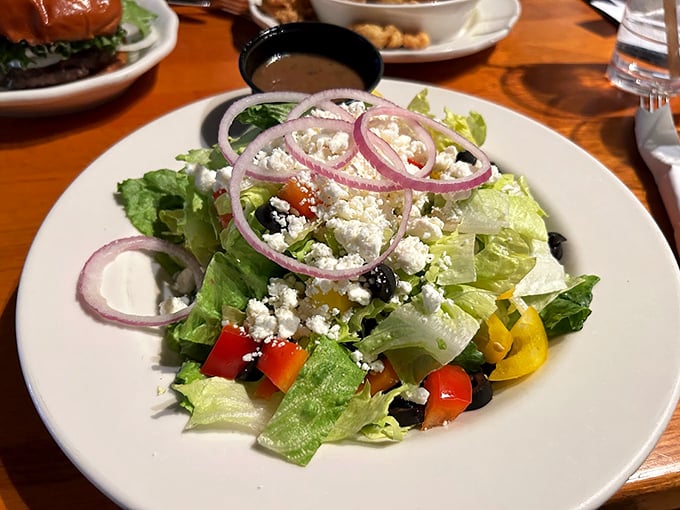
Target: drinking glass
641 62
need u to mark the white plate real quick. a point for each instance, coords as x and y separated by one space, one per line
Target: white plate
94 90
490 23
566 437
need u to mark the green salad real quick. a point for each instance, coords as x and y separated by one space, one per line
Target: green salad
357 288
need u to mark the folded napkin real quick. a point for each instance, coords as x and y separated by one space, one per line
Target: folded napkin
659 145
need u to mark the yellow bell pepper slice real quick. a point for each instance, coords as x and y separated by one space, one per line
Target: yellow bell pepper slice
494 341
529 348
334 300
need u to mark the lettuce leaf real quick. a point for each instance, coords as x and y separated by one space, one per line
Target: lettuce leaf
569 310
472 126
308 412
219 402
416 343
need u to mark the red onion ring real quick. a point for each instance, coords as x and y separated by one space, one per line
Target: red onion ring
239 171
363 137
90 279
333 170
238 107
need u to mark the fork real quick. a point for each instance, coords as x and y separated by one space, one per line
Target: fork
653 101
237 7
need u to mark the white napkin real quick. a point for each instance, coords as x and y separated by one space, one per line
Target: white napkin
658 143
612 8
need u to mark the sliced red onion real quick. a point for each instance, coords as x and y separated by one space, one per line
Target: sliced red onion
90 279
332 169
372 152
238 107
238 214
326 100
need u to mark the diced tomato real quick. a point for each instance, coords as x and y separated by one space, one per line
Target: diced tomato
281 361
226 357
300 196
382 381
450 393
224 218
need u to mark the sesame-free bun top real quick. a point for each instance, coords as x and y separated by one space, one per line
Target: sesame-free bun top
47 21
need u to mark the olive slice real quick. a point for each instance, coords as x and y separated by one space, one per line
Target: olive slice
380 281
407 413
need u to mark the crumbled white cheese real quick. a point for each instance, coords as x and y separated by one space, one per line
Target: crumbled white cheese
261 324
427 229
172 305
276 242
432 298
418 395
411 255
288 322
204 179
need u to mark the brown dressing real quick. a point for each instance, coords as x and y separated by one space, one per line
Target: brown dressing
305 72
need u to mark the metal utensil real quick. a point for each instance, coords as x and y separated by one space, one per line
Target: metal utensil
237 7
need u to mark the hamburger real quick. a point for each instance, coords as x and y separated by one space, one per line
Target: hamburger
49 42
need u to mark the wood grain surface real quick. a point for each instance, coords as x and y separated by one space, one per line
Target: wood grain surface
550 67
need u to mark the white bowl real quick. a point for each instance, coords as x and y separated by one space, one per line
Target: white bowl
441 20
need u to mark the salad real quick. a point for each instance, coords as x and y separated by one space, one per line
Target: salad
344 268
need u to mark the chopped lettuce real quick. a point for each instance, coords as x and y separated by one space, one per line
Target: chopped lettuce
368 416
570 309
220 402
417 343
471 126
308 412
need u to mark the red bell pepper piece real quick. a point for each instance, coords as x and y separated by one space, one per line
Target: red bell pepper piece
450 393
382 381
281 361
226 357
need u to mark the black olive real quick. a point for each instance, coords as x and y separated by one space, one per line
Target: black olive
250 372
407 413
380 281
466 157
482 391
555 240
269 217
487 368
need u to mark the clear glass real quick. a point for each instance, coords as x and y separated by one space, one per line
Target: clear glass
640 63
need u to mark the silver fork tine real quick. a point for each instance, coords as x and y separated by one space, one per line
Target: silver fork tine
653 101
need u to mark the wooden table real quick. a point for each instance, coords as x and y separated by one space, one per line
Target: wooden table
550 68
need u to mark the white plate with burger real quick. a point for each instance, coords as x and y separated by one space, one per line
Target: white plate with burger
88 74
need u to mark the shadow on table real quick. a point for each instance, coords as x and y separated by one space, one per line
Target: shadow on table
39 471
